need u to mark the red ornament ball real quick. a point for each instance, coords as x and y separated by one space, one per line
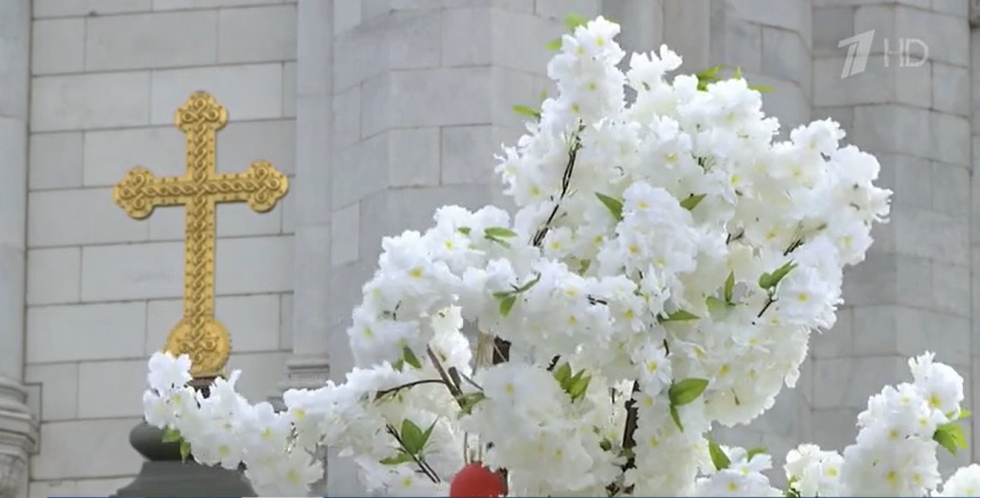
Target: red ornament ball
475 480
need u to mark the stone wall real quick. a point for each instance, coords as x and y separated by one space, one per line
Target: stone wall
975 212
386 109
103 290
913 293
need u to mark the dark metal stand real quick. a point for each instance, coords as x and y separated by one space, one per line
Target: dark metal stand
164 474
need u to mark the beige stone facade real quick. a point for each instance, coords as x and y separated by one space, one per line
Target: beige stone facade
380 111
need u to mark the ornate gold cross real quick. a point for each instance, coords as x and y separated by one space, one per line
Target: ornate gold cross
199 334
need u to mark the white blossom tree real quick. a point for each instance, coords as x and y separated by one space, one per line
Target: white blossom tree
666 264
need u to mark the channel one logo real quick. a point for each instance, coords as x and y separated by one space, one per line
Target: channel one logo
902 50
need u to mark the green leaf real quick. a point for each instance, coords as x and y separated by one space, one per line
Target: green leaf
527 111
579 385
761 88
171 435
470 400
615 206
531 283
759 450
401 458
951 437
185 451
958 414
562 374
719 458
507 303
464 230
715 304
429 431
692 201
737 73
676 417
707 76
498 233
770 280
413 439
410 357
685 391
711 73
606 445
555 44
573 21
728 287
678 316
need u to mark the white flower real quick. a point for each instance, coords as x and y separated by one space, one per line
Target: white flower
630 275
168 373
965 482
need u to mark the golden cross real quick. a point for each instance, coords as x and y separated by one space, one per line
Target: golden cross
199 334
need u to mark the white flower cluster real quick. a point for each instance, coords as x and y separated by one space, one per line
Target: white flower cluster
666 264
895 453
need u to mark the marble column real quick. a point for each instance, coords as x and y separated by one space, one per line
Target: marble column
308 366
18 431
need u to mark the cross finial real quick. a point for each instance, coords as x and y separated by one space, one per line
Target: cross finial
199 333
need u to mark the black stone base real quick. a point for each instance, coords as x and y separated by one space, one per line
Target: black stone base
164 474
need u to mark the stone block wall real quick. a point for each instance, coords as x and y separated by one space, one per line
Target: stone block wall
913 293
104 290
975 211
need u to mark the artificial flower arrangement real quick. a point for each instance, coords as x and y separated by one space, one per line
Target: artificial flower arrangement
666 264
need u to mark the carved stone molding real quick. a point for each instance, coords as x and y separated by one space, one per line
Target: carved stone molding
308 372
13 470
972 14
18 437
